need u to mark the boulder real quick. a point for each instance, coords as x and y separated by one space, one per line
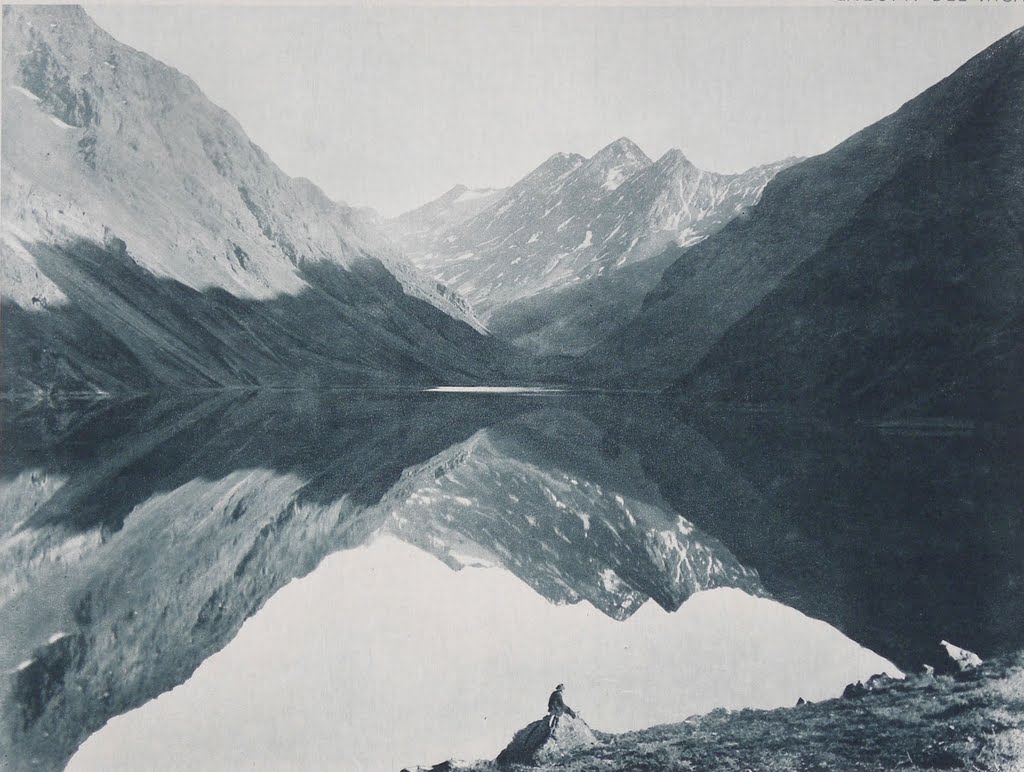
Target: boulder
881 682
963 660
541 743
444 766
854 690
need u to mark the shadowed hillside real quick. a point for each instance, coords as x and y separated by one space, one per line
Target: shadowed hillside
884 275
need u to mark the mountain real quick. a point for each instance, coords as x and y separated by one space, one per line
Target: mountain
573 221
147 241
435 219
884 275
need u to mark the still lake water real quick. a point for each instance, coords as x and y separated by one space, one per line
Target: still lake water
461 554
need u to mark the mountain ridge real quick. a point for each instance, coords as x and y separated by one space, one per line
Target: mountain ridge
744 308
593 181
573 222
107 150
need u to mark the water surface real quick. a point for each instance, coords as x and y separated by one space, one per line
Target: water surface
137 538
383 657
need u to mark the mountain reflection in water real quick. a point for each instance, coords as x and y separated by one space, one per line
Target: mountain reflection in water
136 538
383 657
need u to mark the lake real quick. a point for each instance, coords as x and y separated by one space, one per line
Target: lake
376 580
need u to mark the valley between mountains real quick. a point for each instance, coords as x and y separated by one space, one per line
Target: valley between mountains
148 243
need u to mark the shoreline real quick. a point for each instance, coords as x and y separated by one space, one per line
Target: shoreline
972 720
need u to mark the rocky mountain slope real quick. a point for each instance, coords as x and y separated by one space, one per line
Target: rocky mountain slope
883 275
571 221
147 240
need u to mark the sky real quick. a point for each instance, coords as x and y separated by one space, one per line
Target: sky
391 106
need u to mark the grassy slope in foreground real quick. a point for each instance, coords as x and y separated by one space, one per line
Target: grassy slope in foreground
973 722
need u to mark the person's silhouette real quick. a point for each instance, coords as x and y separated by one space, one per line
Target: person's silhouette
557 706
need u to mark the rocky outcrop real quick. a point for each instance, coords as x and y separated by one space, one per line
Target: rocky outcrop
962 660
547 740
877 683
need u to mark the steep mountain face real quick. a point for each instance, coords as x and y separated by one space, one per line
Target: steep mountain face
130 200
573 220
884 275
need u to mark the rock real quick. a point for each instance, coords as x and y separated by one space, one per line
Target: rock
444 766
539 743
801 701
113 243
854 690
963 659
880 682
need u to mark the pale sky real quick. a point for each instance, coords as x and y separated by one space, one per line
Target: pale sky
389 107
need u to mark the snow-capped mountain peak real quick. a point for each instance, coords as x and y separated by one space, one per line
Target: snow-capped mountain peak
573 219
617 162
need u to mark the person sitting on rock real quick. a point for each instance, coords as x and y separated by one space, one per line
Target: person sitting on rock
557 706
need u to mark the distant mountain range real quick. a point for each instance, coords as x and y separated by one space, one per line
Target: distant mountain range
148 242
884 275
520 256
